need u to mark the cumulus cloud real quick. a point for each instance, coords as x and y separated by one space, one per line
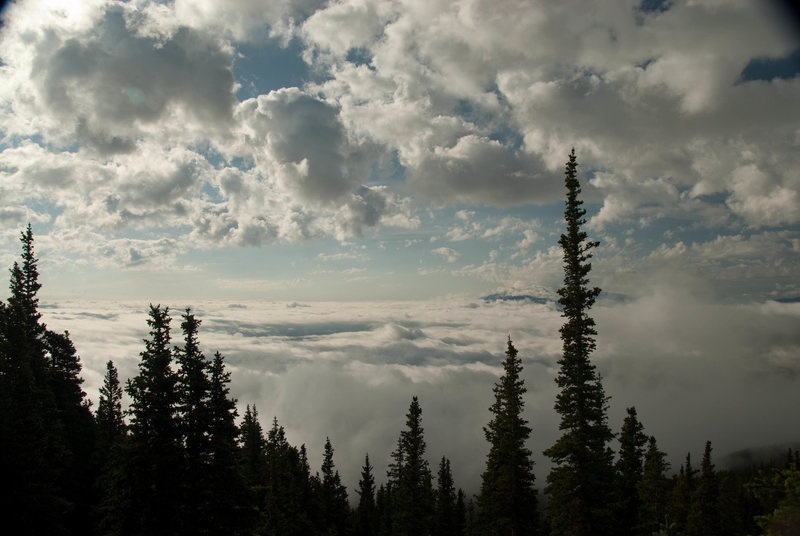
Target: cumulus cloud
111 84
448 102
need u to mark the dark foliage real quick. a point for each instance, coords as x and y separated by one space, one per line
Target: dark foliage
580 482
507 502
177 463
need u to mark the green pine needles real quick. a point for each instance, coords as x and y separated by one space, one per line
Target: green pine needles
581 479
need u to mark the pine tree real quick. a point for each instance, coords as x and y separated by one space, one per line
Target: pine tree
412 491
653 489
682 493
580 482
253 463
194 387
366 512
461 513
335 508
33 450
383 507
287 487
629 468
76 422
446 522
110 423
703 516
156 451
227 493
507 502
111 458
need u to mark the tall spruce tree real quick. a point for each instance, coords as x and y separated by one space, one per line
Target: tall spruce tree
37 401
580 481
156 451
253 464
446 521
194 388
226 498
507 502
76 421
682 494
629 467
113 509
703 516
287 490
653 490
333 495
412 487
366 523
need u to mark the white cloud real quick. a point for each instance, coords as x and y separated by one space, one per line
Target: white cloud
656 353
448 253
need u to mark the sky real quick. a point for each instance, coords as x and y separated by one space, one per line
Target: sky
335 187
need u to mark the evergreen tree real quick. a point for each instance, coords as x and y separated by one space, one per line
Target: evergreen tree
110 423
412 489
383 507
287 484
112 488
253 463
33 450
580 482
461 513
653 489
226 499
76 422
703 516
194 388
156 451
778 489
507 502
366 512
629 467
446 522
682 493
335 508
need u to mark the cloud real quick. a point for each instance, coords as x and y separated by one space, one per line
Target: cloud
112 83
656 352
126 116
448 253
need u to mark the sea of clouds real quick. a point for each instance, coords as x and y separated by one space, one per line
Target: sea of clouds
348 370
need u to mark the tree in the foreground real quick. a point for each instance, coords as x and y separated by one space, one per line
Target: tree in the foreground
113 507
580 482
194 386
703 516
333 495
682 493
226 498
446 516
156 452
366 513
507 502
653 489
411 485
629 466
46 427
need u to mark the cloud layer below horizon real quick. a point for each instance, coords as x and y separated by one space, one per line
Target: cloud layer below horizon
358 151
349 370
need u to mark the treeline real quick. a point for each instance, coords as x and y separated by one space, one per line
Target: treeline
180 460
